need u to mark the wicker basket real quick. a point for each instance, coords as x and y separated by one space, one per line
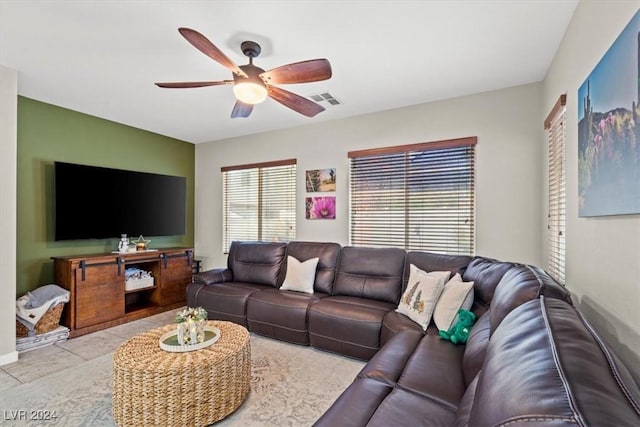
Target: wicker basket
47 323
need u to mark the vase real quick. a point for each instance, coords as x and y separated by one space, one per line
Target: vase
191 332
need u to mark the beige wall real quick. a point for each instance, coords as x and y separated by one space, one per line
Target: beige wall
603 253
508 160
8 162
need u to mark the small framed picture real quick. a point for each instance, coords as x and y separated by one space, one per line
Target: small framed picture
320 207
320 180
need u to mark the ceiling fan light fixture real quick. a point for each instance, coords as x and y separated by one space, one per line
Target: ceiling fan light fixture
250 92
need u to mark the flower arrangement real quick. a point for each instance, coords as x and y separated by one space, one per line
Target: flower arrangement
191 314
191 325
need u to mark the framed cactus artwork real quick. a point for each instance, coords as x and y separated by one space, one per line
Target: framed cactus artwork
320 180
609 130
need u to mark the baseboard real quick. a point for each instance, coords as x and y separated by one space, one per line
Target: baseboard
5 359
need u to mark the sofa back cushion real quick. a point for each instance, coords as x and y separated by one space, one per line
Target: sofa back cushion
546 366
374 273
327 254
485 273
261 263
476 347
429 261
520 284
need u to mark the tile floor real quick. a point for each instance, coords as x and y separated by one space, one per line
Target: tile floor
38 363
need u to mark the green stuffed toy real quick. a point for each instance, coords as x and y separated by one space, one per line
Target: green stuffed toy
459 331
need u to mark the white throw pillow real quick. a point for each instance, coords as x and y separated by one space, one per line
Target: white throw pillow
423 290
456 295
300 275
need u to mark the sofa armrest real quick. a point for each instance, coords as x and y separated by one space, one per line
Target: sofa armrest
211 277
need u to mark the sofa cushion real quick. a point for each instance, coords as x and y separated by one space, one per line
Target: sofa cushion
434 371
485 273
405 408
545 364
419 299
520 284
429 261
388 363
347 325
372 273
281 314
414 379
224 301
356 405
394 322
300 275
261 263
464 408
476 347
328 255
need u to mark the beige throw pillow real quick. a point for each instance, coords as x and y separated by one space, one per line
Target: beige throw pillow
456 295
300 275
423 290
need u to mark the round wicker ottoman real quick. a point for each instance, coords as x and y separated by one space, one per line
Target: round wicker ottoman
152 387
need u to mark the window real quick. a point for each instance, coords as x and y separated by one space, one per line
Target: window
416 197
259 202
555 127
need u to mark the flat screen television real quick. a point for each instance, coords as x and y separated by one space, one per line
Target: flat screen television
95 203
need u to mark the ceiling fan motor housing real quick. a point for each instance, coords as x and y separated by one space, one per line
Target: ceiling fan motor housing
250 49
252 72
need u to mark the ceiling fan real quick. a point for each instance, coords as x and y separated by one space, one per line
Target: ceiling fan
252 84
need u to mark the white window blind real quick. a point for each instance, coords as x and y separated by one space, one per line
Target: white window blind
259 202
555 127
416 197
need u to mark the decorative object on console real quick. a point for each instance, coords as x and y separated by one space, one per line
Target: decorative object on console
455 295
142 244
422 293
320 207
123 244
459 332
608 122
320 180
300 275
190 323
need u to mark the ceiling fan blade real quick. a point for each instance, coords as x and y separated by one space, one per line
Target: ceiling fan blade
203 44
312 70
241 109
295 102
183 85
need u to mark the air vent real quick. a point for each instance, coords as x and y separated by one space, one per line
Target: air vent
325 98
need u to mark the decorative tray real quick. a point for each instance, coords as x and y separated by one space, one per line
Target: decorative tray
169 340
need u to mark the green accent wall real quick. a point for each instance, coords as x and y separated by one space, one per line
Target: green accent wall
47 133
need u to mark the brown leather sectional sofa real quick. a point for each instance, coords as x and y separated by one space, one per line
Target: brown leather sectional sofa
531 358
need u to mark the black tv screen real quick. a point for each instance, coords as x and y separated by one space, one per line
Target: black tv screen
95 203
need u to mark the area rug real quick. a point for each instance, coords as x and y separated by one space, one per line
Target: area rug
291 385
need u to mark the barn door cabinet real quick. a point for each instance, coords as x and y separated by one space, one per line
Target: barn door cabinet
99 298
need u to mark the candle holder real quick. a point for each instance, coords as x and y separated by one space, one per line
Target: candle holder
190 324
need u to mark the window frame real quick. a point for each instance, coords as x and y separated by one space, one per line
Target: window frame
555 127
259 167
410 242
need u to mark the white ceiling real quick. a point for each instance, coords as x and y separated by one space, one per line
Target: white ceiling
102 57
